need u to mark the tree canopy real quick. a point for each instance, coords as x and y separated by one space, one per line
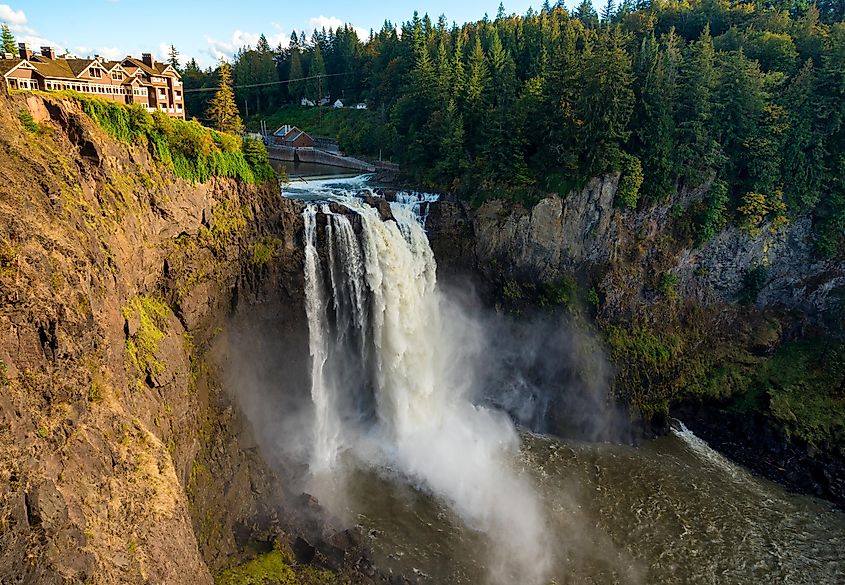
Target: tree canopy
741 101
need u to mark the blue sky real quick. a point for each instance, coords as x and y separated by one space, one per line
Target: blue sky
208 29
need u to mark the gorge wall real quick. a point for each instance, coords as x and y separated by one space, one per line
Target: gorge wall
123 458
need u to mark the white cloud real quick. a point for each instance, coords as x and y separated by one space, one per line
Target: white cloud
333 22
12 17
225 49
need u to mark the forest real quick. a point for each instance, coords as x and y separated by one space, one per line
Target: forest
743 102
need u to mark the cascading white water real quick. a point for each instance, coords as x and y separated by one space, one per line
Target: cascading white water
380 378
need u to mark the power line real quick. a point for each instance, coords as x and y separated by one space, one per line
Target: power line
199 89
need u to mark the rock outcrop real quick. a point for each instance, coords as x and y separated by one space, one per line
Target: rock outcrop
123 457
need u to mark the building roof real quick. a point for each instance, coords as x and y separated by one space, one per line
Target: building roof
7 65
53 68
77 66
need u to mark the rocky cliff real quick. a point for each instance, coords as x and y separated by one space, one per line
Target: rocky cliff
123 457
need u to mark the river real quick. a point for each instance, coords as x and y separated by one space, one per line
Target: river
669 511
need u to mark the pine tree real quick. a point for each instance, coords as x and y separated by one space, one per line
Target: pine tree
8 40
296 89
222 109
587 14
654 140
316 70
608 12
173 57
698 152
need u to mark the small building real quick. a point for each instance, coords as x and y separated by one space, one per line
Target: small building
293 137
305 102
361 106
338 105
324 101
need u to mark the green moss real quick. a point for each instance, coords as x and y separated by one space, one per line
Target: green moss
265 250
142 347
267 569
4 374
95 392
805 383
274 568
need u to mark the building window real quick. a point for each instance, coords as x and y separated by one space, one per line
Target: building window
117 76
179 95
95 72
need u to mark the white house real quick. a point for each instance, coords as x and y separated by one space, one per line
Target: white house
306 102
324 102
361 106
337 105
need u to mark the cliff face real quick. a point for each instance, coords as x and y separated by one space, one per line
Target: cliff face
122 459
695 328
624 250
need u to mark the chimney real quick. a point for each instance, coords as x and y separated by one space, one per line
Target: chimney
25 51
48 52
148 60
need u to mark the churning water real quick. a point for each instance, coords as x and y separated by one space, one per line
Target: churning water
450 491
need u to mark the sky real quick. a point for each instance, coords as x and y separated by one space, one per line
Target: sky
210 29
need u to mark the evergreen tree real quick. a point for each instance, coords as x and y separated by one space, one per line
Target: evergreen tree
8 39
296 89
222 109
316 71
173 57
587 14
698 152
654 129
608 12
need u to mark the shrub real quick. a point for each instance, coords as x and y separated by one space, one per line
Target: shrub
192 151
28 122
753 283
668 285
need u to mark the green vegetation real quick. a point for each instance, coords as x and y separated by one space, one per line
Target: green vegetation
745 96
274 568
28 122
265 250
668 285
752 284
222 109
7 40
805 385
150 316
194 152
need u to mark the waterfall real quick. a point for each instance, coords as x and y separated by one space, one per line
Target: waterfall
382 378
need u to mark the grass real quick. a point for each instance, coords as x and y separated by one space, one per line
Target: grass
192 151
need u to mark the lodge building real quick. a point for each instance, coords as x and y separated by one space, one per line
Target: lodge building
144 81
